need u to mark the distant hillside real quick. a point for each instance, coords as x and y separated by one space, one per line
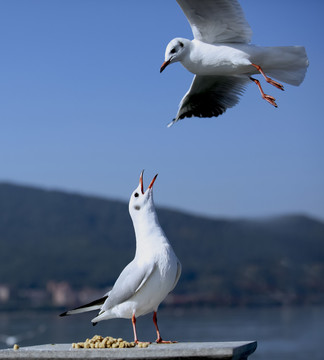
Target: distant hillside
86 241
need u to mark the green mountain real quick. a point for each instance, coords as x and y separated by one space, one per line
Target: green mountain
86 241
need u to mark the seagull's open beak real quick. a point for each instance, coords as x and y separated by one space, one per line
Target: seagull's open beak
141 182
164 65
152 182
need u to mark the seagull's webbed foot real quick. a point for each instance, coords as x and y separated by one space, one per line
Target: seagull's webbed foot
159 338
270 99
269 80
160 341
275 83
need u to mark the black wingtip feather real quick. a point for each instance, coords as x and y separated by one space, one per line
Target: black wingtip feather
96 302
94 324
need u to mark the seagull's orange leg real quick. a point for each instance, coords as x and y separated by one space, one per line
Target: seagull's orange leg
269 80
266 97
159 338
134 328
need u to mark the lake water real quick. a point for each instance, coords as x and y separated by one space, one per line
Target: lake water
281 333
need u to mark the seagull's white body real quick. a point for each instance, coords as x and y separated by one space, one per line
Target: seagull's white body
152 274
206 59
223 60
236 59
150 277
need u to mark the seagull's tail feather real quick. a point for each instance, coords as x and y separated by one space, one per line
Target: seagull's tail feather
94 305
286 63
104 314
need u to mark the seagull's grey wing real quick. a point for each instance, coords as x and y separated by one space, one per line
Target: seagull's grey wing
217 21
130 281
210 96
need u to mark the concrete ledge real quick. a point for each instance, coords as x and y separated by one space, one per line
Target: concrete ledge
238 350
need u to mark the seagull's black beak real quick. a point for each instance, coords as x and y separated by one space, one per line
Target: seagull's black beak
164 65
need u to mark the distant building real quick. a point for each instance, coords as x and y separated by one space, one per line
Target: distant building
4 293
62 293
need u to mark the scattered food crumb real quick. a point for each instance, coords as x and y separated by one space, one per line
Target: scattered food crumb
16 347
143 344
99 342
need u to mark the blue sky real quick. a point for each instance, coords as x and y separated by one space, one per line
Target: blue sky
83 108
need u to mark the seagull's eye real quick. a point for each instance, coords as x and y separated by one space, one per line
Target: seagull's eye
136 194
173 51
181 44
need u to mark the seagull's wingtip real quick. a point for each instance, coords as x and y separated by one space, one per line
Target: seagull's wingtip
171 123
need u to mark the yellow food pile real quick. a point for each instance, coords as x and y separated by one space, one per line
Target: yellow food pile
99 342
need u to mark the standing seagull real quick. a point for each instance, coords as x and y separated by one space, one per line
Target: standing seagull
223 61
148 279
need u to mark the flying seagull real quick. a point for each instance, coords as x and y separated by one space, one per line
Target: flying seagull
149 278
223 60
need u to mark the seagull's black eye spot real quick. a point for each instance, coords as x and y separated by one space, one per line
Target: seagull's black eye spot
173 51
136 195
181 44
136 207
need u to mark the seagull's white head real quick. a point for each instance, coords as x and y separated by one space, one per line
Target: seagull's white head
140 200
175 51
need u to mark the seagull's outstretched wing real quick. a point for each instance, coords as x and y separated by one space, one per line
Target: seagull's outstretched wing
129 282
217 21
210 96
